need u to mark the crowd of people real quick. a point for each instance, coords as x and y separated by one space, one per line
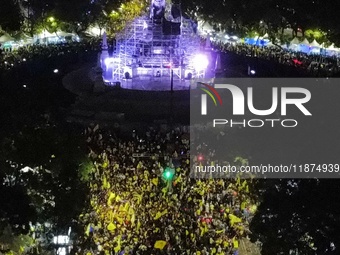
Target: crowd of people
316 65
10 59
144 201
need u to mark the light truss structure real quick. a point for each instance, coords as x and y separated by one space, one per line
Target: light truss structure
144 49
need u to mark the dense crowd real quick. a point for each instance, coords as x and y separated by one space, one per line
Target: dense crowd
135 209
317 65
42 51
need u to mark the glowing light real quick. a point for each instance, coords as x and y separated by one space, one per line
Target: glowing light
26 169
95 31
51 19
168 174
61 239
61 251
24 59
252 72
55 71
201 62
109 61
24 86
145 26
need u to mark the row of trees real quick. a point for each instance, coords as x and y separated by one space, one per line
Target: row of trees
33 16
236 16
268 16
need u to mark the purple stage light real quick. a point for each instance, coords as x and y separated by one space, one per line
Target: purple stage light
201 62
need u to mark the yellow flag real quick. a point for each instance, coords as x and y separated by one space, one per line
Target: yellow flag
238 181
164 190
105 164
133 219
204 229
247 189
165 212
158 215
235 243
119 219
111 199
160 244
155 181
244 184
126 207
104 182
138 225
118 198
137 197
111 227
234 219
243 206
118 247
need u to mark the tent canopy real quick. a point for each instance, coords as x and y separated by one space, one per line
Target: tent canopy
305 42
6 38
315 44
332 48
21 36
295 41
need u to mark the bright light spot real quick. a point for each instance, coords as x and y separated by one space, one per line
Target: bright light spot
200 158
61 239
95 31
109 61
25 86
235 37
252 72
145 26
51 19
201 62
61 251
55 71
24 59
26 169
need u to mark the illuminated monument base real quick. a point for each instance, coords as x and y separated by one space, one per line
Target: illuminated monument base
144 82
157 52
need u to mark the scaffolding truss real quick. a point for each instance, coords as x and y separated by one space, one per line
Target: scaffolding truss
143 49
